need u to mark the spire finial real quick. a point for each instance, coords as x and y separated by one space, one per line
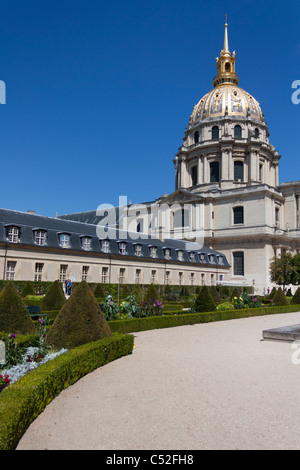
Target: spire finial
226 47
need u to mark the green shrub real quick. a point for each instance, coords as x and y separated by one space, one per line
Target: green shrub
272 293
28 289
151 293
22 402
295 300
204 301
54 299
99 292
225 306
14 316
280 298
79 321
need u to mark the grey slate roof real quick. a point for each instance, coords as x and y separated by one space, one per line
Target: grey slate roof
28 223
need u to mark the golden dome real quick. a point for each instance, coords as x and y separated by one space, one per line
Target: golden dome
226 99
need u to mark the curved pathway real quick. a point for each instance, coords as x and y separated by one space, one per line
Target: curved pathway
208 386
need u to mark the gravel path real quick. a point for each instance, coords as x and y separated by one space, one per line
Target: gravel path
208 386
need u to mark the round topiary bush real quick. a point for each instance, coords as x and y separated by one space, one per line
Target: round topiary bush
14 316
204 301
54 299
80 321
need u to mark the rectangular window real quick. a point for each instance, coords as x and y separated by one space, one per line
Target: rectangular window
168 277
238 263
238 171
122 248
122 276
38 271
202 279
64 240
85 270
153 251
194 175
153 277
11 270
138 250
238 215
13 234
63 272
192 278
104 275
214 172
180 277
40 237
138 276
105 246
86 243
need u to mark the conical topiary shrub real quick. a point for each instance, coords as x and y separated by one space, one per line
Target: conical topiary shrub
79 321
151 293
272 293
54 298
28 289
280 298
14 316
99 292
295 300
204 301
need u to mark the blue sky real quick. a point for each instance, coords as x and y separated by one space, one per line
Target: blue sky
98 93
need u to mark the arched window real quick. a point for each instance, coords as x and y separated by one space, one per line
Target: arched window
196 137
214 172
237 132
227 67
215 133
194 175
256 133
238 215
238 171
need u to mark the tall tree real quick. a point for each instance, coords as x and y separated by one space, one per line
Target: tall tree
281 270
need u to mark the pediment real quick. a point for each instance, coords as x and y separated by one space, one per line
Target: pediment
180 196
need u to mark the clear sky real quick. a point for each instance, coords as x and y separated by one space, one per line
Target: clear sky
98 93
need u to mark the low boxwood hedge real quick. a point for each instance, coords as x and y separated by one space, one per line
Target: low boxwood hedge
169 320
24 400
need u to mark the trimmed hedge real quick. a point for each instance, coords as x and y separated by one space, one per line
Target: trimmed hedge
171 320
23 401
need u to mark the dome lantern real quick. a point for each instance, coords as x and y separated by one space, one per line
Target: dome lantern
226 64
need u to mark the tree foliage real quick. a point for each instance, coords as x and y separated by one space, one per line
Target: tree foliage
282 271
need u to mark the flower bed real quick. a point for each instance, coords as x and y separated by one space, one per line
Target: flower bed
23 401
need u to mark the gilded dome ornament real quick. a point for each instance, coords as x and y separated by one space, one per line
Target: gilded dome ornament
226 98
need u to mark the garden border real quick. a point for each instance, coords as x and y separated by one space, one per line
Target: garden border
24 400
180 319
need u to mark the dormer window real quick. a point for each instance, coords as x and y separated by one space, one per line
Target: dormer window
221 260
202 258
40 237
192 256
64 240
153 251
167 253
86 243
180 255
122 248
13 234
211 258
138 250
105 246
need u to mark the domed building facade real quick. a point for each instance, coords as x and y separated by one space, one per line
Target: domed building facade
226 181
